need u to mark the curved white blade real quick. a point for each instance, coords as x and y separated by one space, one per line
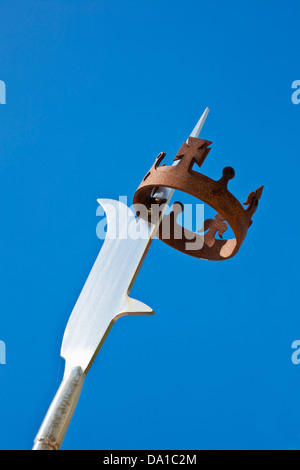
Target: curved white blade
104 297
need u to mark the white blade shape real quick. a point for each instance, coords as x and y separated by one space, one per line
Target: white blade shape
104 297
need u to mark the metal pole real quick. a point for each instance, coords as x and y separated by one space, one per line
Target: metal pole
54 427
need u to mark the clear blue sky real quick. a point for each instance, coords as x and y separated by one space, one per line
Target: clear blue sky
95 90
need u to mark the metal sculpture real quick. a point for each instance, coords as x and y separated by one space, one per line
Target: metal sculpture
105 295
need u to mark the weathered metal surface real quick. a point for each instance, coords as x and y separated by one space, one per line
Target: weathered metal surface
184 178
58 417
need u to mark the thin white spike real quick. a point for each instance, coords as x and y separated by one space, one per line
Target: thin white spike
167 193
198 127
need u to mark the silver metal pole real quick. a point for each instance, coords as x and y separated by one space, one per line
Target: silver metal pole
54 427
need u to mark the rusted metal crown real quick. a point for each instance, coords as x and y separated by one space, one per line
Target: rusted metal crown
182 177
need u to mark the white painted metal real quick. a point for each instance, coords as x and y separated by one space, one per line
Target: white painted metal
104 299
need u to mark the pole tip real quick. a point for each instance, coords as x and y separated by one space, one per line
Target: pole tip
200 124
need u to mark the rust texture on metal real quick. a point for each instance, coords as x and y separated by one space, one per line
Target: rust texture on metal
215 193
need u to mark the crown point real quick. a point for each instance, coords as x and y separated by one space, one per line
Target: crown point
228 173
